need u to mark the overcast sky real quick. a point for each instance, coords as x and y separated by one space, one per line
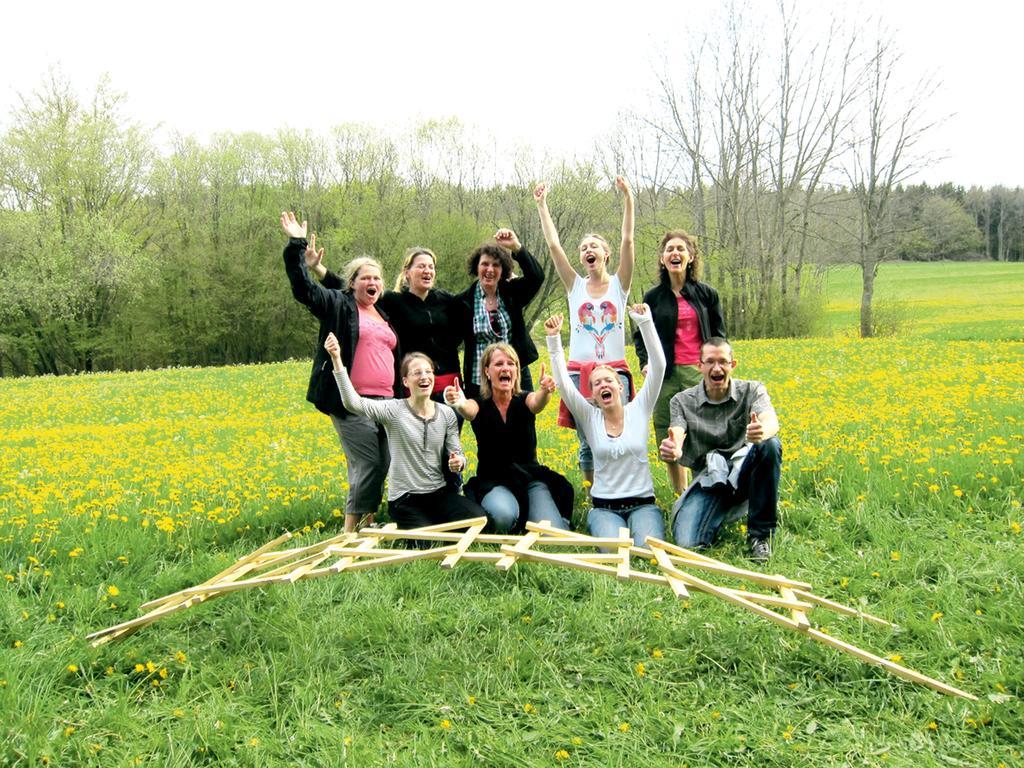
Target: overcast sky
549 73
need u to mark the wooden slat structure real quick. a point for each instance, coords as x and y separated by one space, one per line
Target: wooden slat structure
785 602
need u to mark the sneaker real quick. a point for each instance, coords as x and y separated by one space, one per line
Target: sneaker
760 550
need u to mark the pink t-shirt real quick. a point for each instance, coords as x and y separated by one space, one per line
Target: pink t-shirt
687 348
373 364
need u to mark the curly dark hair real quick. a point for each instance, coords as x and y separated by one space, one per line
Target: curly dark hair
496 251
694 268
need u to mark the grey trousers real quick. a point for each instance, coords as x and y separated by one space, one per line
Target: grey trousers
367 457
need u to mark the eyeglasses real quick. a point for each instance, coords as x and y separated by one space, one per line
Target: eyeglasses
419 374
713 363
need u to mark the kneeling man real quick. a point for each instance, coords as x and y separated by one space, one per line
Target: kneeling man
730 443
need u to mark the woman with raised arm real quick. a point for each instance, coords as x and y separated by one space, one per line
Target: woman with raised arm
510 484
623 492
424 438
686 313
421 313
597 305
369 347
491 309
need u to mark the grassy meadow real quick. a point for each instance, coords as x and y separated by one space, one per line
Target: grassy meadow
902 493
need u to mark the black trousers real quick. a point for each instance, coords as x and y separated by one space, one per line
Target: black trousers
416 510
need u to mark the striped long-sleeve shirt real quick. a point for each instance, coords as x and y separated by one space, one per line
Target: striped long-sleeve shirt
419 447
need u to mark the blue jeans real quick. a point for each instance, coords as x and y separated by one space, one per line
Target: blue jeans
643 521
503 509
704 511
586 456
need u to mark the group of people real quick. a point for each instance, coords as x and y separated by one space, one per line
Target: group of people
387 373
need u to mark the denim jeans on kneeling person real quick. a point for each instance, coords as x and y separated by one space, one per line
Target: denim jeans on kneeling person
705 510
503 509
642 520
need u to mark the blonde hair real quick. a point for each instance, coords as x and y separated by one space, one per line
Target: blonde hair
410 256
351 270
500 346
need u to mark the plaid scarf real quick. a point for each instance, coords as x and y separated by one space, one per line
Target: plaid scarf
484 330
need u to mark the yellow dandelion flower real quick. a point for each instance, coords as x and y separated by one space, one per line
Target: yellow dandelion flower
640 669
657 654
562 754
72 668
623 727
446 724
528 708
937 615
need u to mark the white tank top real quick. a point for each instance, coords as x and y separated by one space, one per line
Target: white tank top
598 325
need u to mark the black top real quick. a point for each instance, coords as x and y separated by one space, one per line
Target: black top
336 310
500 442
516 295
665 313
422 325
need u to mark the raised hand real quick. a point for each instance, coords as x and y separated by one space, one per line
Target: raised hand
755 430
623 186
637 311
454 396
506 238
291 226
546 382
333 349
540 194
312 255
553 325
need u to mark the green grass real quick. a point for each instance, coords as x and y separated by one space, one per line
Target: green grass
940 300
902 494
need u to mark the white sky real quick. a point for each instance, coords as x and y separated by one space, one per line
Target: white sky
548 73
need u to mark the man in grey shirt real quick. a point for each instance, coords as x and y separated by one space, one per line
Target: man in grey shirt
729 440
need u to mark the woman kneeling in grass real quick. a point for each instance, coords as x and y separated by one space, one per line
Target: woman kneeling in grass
623 490
423 436
510 484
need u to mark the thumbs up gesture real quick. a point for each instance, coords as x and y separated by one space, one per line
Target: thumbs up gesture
454 396
455 461
546 382
755 430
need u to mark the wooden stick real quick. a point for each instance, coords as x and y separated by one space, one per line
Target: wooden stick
467 538
678 587
724 569
511 553
449 526
227 571
624 569
843 609
370 542
798 616
728 596
891 666
419 535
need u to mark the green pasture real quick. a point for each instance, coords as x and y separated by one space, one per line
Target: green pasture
936 300
902 495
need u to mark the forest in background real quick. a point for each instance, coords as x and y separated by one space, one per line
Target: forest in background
782 157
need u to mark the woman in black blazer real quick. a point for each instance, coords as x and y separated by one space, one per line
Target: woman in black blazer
491 309
686 313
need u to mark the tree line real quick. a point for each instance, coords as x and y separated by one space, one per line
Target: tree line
783 157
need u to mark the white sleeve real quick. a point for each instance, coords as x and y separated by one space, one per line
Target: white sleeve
375 409
648 394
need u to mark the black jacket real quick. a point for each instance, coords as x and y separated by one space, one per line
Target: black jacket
336 310
516 295
662 301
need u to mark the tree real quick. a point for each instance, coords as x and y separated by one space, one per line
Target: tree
74 173
880 156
